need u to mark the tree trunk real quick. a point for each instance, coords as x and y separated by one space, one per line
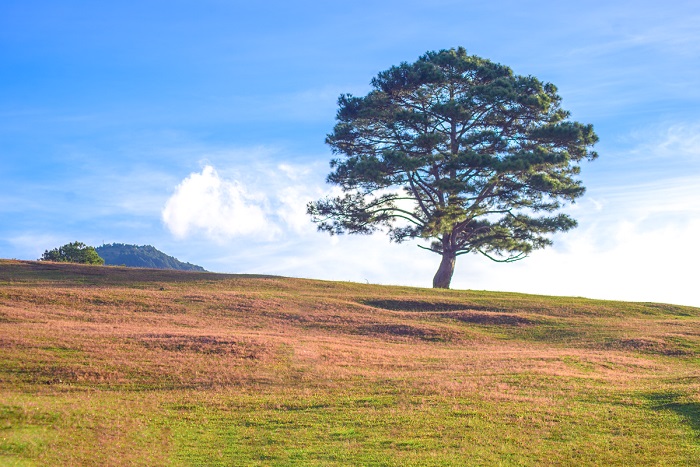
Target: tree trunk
443 276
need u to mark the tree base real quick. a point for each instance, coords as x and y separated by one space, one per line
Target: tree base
443 276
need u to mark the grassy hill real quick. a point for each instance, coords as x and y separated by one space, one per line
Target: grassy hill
117 366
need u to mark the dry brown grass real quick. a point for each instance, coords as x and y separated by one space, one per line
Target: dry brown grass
167 367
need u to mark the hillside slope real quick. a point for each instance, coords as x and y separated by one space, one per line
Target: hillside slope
118 366
146 256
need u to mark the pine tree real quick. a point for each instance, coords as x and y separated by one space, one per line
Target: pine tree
458 150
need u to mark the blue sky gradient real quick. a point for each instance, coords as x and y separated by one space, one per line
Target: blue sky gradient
198 127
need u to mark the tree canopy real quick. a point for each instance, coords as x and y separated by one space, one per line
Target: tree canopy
76 252
458 150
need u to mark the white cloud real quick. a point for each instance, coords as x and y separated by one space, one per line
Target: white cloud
292 209
623 261
679 141
634 242
677 35
219 208
223 207
615 27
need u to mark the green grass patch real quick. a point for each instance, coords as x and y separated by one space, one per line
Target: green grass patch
117 366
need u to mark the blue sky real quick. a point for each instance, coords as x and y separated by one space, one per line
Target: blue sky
198 127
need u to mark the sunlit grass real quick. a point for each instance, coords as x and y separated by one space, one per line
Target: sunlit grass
116 366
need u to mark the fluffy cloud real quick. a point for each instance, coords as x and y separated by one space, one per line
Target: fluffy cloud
633 243
225 207
220 209
635 263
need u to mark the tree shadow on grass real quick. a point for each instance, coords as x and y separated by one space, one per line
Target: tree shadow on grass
671 401
425 306
402 330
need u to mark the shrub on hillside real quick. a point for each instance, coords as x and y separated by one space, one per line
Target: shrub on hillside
76 252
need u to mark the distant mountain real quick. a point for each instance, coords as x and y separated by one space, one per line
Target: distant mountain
146 256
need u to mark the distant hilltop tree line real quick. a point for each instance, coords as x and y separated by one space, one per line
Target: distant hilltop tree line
117 254
145 256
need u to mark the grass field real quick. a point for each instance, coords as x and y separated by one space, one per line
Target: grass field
115 366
